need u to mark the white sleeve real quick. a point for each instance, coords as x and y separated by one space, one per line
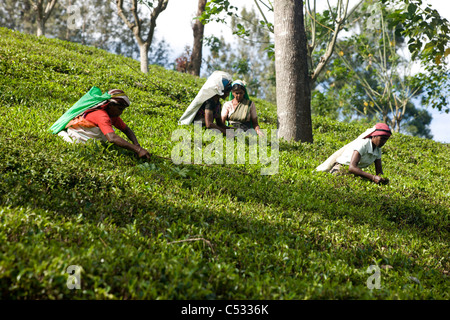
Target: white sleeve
225 109
360 145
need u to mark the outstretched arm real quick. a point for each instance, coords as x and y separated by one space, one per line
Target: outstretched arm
353 168
130 135
378 167
256 126
379 171
119 141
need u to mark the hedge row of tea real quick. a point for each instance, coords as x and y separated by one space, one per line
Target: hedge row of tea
156 230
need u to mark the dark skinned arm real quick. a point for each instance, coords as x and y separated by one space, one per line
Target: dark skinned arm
119 141
379 171
130 135
353 168
254 119
209 122
256 126
378 167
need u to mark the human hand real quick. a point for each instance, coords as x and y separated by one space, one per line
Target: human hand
380 180
260 133
143 153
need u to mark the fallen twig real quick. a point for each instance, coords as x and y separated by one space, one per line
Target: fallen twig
196 239
106 246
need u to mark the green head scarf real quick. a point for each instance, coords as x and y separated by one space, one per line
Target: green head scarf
239 84
93 98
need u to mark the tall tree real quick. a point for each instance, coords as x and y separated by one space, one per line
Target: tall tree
428 37
137 25
370 79
248 58
291 130
377 55
43 9
293 87
198 29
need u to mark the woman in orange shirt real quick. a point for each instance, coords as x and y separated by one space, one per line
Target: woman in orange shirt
98 121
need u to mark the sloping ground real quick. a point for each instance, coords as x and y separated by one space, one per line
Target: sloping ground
160 231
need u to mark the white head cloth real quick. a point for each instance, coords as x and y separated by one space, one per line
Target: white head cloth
212 86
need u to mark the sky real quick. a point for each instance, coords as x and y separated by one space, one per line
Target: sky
174 25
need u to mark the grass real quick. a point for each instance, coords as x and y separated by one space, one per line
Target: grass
155 230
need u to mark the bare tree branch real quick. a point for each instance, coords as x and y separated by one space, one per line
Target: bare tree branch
136 27
122 15
48 9
264 17
341 16
162 5
42 14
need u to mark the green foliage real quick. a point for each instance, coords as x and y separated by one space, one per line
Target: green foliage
214 9
428 37
368 78
249 59
154 230
422 25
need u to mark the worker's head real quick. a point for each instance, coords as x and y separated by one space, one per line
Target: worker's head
239 91
117 103
226 87
381 134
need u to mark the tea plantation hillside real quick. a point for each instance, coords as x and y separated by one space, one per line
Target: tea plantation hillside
156 230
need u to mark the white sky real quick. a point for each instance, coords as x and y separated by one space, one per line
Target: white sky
175 26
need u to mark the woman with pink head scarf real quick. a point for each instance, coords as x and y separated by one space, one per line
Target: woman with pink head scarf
361 153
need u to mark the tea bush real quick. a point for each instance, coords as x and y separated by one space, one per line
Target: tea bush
155 230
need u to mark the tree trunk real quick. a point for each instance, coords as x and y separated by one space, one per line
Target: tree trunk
40 27
198 29
38 8
135 27
42 14
143 50
292 77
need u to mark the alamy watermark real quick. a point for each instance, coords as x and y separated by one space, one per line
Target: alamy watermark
74 279
74 19
235 141
374 22
374 281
